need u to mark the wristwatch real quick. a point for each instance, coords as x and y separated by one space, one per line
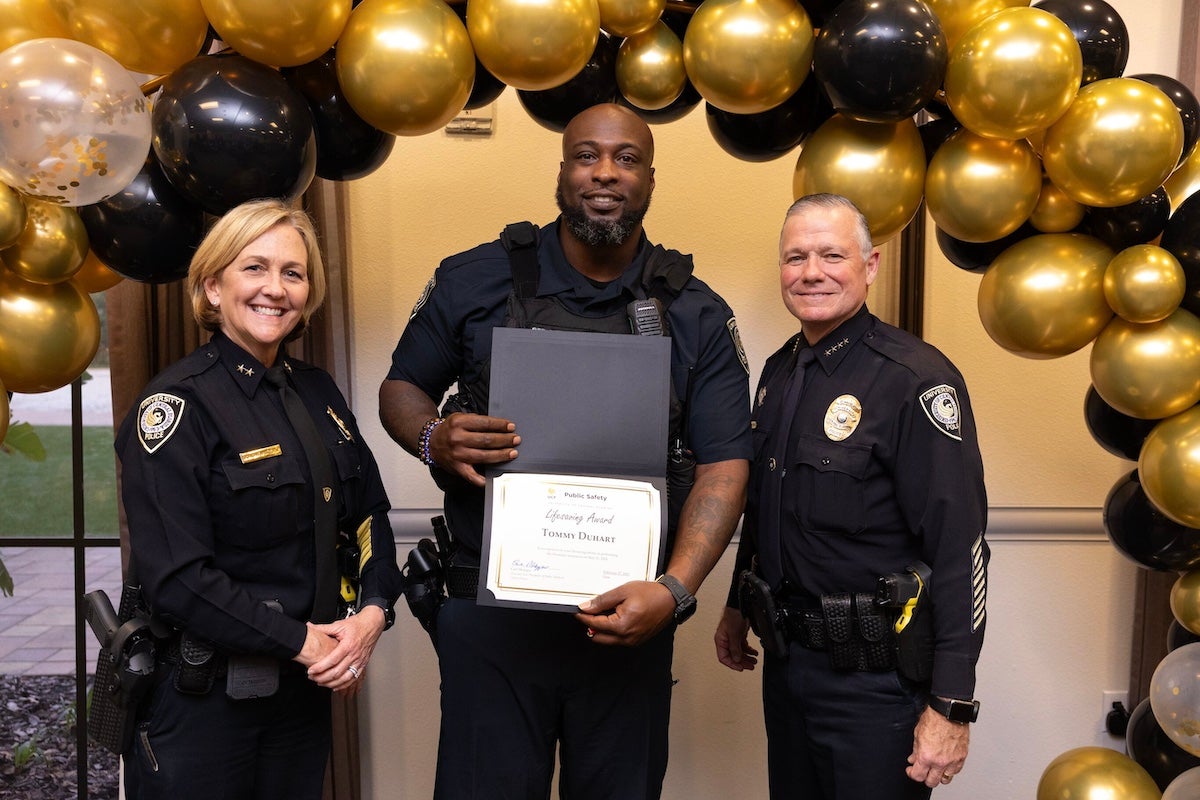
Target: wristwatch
685 602
955 710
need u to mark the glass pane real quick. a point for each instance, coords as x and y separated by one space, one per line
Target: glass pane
38 712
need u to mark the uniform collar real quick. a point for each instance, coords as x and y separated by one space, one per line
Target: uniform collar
837 344
562 278
246 370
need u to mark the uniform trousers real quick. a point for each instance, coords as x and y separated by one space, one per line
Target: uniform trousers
209 747
516 683
838 735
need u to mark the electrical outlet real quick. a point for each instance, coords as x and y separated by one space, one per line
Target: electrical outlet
1111 697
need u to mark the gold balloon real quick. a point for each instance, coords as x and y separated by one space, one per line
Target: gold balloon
1044 296
22 20
747 56
1185 600
282 33
49 333
879 166
534 44
630 17
95 276
1149 371
1169 467
1091 773
981 189
1055 212
406 66
1144 283
1014 73
5 413
150 36
958 16
650 70
12 216
1185 180
52 246
1117 143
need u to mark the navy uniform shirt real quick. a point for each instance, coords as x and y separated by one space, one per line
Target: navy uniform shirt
881 467
449 336
220 504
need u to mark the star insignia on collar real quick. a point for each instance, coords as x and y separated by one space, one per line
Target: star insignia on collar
247 371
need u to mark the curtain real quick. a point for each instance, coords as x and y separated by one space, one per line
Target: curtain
150 327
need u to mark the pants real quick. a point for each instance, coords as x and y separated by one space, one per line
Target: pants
516 683
209 747
838 735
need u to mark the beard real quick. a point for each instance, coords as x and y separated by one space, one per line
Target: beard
600 233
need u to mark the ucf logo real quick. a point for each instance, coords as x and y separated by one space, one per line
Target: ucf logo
158 418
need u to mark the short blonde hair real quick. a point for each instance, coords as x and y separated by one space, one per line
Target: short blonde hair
231 234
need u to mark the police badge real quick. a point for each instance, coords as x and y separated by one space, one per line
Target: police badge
158 417
941 406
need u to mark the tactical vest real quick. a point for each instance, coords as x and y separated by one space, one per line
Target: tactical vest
664 275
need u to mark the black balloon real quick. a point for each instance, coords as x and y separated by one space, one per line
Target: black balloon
880 60
348 146
146 232
978 256
1178 636
227 129
1148 744
1119 434
1185 102
1181 237
596 83
773 133
1124 226
1100 31
1144 534
819 10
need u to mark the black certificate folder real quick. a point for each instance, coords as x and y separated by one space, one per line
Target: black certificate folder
585 405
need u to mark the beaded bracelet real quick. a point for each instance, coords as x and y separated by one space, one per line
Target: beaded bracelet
423 440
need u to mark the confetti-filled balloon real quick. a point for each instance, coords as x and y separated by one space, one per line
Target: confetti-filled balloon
1175 697
77 127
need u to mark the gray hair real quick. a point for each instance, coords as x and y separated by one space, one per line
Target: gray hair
832 201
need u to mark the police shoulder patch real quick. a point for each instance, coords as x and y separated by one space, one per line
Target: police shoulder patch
941 406
158 418
424 298
731 324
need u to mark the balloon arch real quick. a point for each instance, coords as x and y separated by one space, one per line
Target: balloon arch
1067 184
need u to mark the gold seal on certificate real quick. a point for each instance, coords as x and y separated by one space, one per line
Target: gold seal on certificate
560 539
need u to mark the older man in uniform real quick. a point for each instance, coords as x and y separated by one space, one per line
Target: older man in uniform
516 683
866 465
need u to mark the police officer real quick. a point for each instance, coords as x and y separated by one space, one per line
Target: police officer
235 556
866 462
517 682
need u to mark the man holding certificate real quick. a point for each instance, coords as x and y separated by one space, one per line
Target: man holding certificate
530 660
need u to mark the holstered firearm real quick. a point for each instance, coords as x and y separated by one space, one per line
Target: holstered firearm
124 667
908 593
758 606
424 576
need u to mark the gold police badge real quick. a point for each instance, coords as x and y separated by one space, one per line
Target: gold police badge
842 416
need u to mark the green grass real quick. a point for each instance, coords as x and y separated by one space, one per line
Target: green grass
35 496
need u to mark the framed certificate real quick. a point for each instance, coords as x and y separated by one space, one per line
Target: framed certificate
583 507
561 539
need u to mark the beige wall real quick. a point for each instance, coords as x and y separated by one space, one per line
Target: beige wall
1060 605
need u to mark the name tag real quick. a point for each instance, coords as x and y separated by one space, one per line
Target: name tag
263 452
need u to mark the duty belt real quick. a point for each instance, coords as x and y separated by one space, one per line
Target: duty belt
462 582
855 631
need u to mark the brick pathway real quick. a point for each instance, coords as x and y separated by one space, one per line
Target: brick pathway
37 624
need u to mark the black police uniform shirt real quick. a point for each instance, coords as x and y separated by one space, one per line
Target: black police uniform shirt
882 468
220 502
449 336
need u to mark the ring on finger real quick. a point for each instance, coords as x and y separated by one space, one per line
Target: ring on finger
353 670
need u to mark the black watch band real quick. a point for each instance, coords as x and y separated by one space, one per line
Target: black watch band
685 601
955 710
